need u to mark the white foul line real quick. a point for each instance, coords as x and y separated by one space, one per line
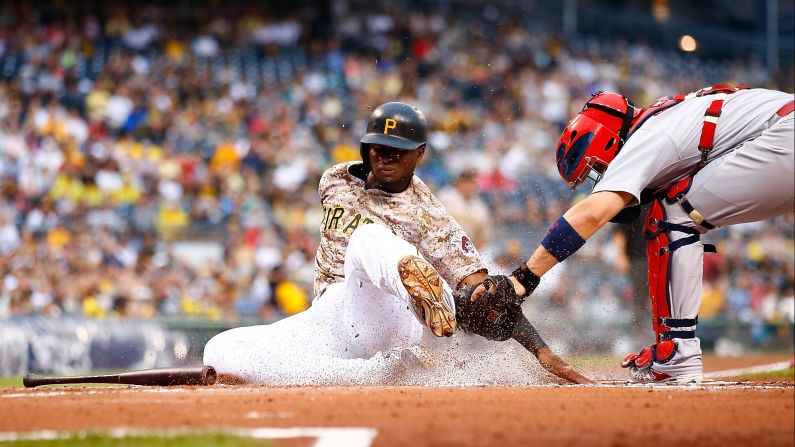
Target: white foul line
326 436
778 366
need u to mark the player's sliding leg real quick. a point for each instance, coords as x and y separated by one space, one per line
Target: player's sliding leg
298 350
395 267
346 335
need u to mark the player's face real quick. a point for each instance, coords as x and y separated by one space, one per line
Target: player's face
393 167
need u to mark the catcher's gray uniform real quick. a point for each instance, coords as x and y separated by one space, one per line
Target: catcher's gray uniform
750 177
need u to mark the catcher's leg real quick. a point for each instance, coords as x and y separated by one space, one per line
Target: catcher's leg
764 169
675 256
377 257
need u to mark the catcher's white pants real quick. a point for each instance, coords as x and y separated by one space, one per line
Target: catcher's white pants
754 182
342 337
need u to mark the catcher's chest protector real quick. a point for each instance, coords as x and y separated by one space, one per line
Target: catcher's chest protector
711 115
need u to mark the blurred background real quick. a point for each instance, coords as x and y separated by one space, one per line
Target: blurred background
159 161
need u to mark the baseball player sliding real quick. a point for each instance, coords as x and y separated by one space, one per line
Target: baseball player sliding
719 156
388 254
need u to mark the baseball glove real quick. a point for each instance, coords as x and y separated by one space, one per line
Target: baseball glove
495 314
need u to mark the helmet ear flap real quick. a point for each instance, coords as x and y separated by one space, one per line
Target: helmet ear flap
364 149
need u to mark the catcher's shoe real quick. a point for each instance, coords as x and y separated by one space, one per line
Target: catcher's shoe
662 363
429 299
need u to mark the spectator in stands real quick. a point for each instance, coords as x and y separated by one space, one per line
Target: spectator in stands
463 202
122 133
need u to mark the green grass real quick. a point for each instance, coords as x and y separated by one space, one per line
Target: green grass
16 382
99 440
587 362
788 373
11 382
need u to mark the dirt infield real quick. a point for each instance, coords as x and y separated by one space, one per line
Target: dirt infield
718 413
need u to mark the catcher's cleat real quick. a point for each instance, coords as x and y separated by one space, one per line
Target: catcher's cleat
649 375
428 298
663 356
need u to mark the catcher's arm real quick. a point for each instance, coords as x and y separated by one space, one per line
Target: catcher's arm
529 337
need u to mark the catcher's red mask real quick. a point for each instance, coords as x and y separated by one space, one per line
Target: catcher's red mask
593 138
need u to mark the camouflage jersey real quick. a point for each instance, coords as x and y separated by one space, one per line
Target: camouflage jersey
415 215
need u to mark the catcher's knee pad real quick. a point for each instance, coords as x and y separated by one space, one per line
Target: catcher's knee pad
658 255
659 248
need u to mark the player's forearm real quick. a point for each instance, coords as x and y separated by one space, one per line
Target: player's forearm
583 220
593 212
541 261
529 337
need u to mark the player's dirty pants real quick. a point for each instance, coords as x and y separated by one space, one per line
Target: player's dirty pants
752 183
343 336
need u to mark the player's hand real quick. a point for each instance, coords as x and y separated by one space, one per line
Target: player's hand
557 366
495 315
492 288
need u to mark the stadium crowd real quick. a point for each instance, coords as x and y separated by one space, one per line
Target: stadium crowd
124 134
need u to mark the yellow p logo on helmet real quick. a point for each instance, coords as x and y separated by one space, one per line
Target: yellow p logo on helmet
389 124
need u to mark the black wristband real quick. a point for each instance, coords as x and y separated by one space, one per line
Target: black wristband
526 278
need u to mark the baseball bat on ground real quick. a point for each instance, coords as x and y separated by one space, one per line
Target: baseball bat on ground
150 377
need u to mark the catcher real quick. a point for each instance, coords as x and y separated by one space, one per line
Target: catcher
388 250
719 156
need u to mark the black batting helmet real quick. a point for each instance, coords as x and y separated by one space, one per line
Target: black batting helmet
395 124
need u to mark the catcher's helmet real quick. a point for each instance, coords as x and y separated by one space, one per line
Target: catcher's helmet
395 124
593 138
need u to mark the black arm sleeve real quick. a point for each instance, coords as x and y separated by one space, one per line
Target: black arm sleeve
528 336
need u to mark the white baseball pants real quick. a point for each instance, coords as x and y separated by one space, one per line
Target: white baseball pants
342 337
